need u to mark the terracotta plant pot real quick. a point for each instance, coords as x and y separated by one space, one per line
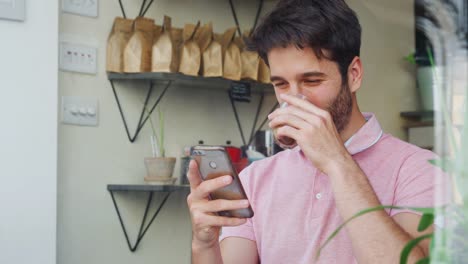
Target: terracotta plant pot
159 167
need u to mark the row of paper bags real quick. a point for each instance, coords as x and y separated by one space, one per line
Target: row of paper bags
141 46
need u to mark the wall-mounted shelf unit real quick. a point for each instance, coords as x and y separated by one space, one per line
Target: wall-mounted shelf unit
418 115
197 81
150 189
236 90
419 127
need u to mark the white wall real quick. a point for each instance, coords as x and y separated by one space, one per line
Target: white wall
28 135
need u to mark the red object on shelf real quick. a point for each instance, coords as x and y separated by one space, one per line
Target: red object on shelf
242 164
234 153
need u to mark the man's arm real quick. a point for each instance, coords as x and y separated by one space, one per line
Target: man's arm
208 255
239 250
230 250
376 237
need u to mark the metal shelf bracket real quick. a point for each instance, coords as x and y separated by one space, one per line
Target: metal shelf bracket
255 129
143 227
143 117
150 189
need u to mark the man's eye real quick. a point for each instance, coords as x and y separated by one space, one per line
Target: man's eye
312 81
280 84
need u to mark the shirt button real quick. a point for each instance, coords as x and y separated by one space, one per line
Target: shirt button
318 196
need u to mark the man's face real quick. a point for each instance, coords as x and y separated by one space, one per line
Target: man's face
296 71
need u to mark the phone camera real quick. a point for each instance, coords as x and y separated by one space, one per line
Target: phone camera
213 165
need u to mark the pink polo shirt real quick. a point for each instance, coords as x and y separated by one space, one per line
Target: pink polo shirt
293 201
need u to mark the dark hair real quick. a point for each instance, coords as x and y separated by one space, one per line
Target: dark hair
323 25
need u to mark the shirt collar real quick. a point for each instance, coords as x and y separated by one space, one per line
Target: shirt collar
367 136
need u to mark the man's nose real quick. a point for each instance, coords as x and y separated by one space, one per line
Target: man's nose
294 89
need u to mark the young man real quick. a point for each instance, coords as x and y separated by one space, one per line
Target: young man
343 163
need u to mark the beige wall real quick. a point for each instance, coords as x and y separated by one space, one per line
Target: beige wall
92 157
389 84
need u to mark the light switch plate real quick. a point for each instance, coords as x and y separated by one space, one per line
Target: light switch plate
87 8
77 58
12 10
77 110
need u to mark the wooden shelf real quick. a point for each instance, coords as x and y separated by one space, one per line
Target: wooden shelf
419 128
418 115
418 118
145 188
191 81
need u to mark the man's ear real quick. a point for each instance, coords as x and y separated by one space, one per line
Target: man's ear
355 72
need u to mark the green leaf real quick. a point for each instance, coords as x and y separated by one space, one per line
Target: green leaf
410 58
425 260
363 212
161 133
445 164
151 121
410 245
426 221
432 245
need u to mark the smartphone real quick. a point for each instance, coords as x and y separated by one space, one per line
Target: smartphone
213 162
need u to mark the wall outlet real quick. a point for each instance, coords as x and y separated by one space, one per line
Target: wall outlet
77 58
12 9
82 111
81 7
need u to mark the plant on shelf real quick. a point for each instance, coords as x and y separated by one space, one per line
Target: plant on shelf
157 143
425 76
159 167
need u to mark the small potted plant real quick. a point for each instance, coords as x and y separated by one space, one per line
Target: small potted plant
159 168
426 78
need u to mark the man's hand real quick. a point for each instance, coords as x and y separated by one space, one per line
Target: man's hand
313 129
206 223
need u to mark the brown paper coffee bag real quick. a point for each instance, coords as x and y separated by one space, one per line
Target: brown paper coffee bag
218 38
177 41
191 57
137 53
250 60
263 72
226 38
212 58
120 34
250 65
157 31
163 50
204 36
232 66
239 42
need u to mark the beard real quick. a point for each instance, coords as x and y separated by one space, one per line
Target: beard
341 107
